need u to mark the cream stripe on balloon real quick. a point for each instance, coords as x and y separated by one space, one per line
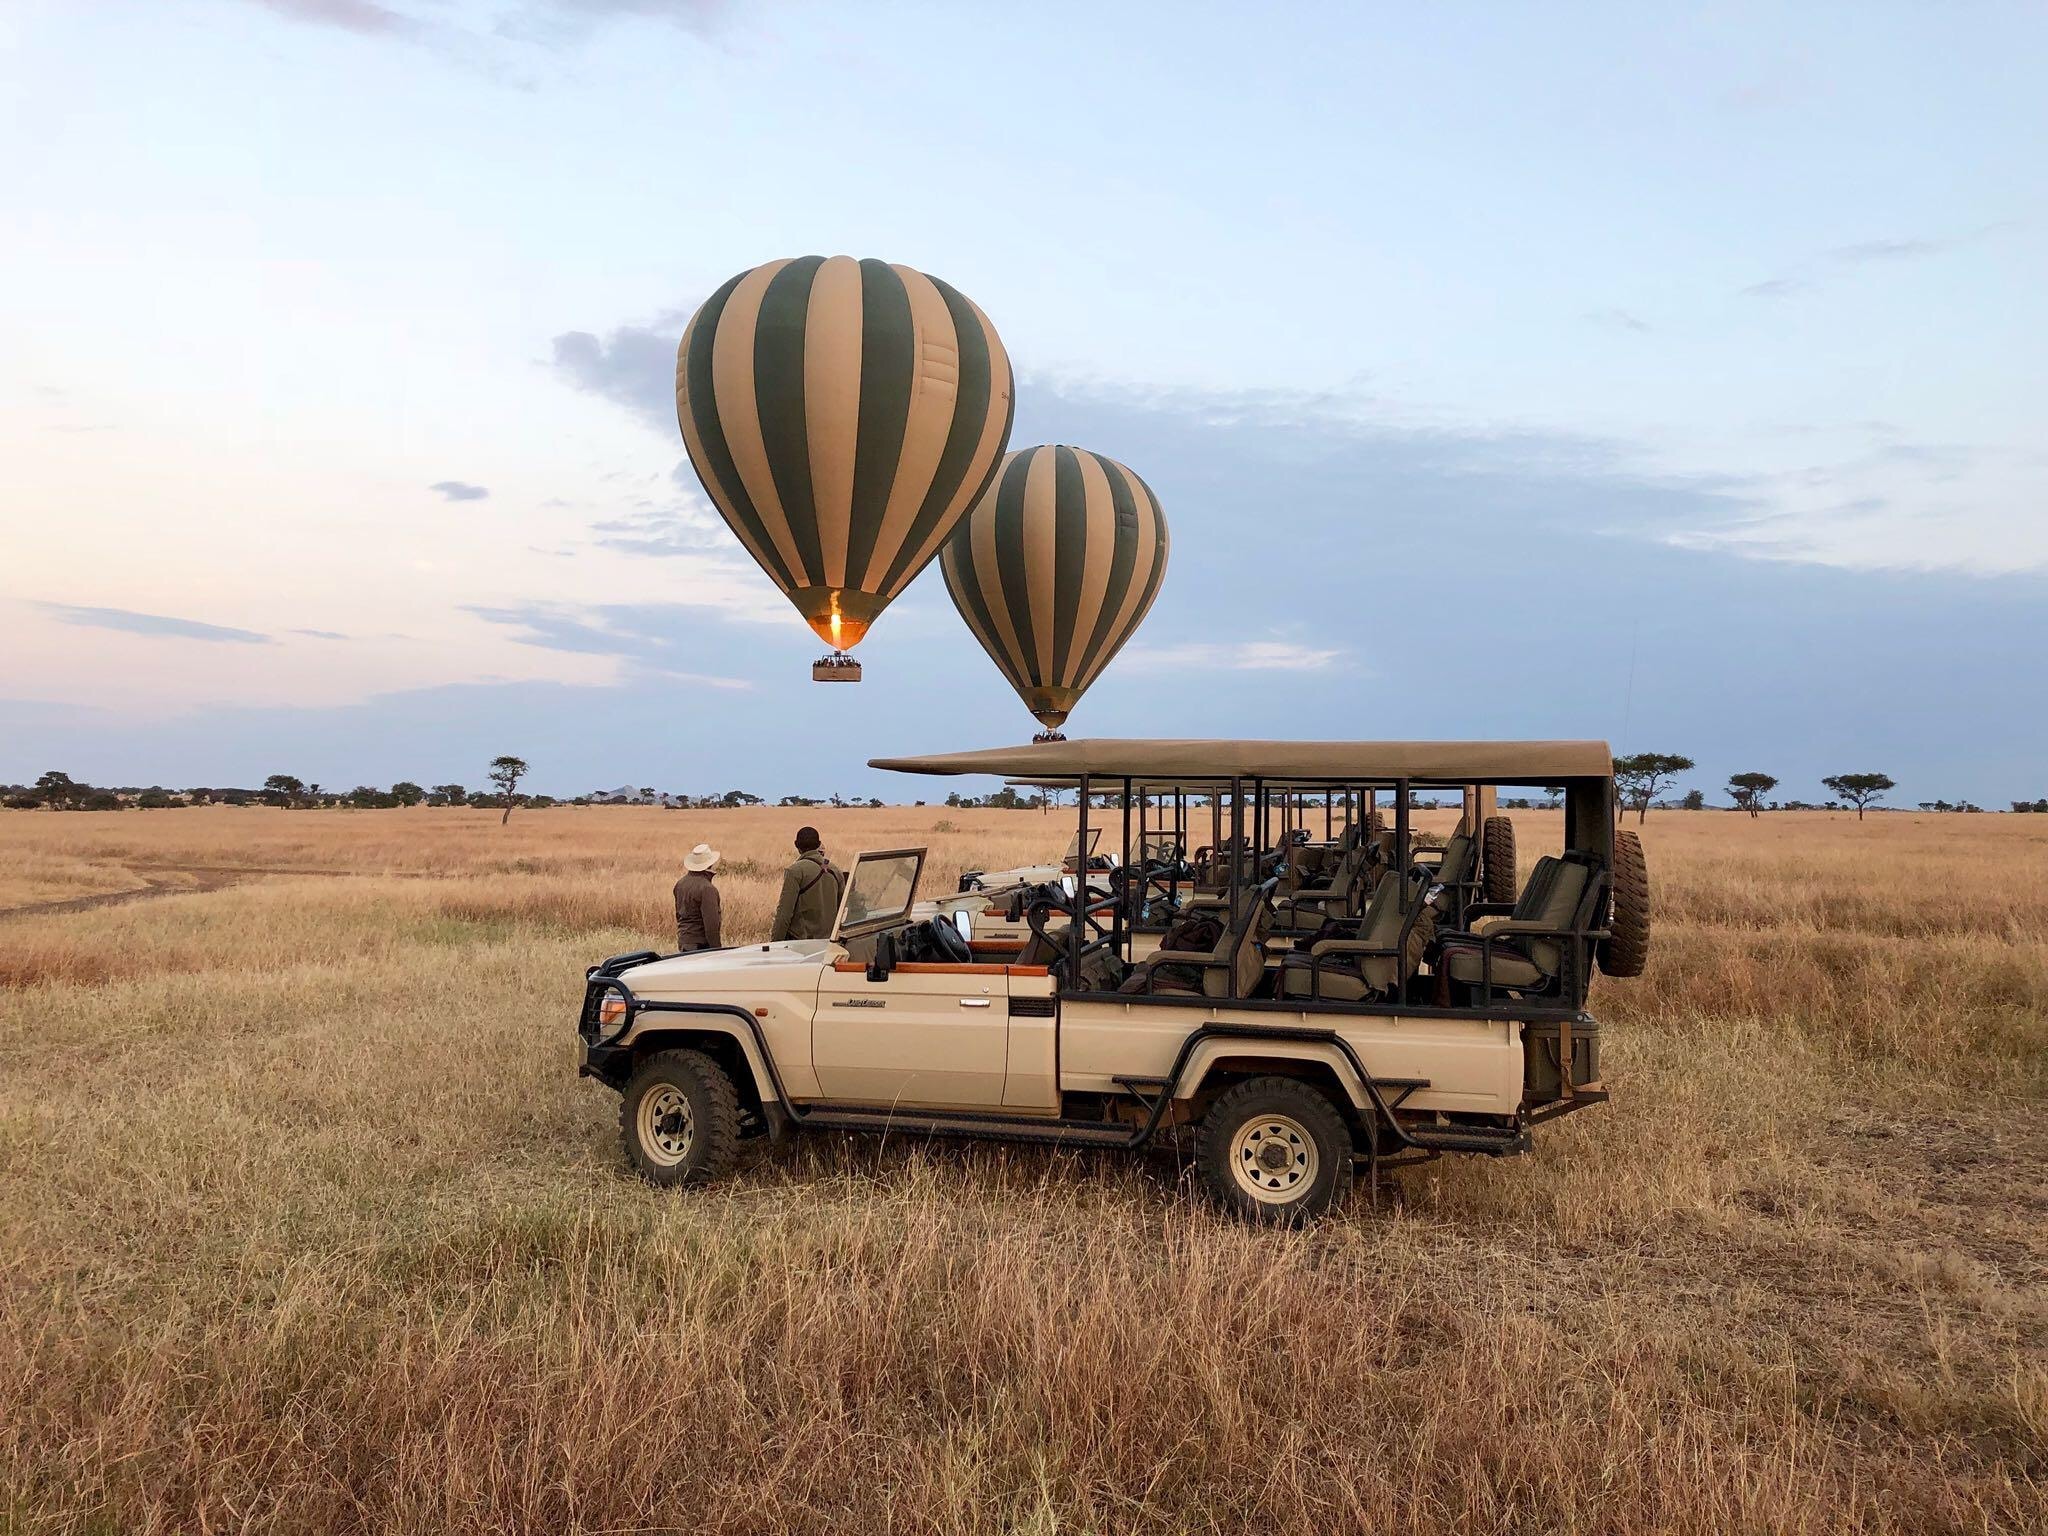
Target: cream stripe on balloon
832 385
739 412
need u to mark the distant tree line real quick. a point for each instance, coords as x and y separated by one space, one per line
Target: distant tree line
1642 777
61 792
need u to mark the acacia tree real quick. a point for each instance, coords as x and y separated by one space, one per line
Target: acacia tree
1860 789
1642 776
59 789
286 788
506 772
405 792
1747 790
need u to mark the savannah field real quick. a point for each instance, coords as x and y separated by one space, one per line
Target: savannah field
307 1225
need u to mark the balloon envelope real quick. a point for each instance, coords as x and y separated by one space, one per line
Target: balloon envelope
1054 568
843 415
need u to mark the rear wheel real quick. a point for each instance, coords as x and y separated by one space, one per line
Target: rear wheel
1275 1150
1628 919
1497 858
679 1119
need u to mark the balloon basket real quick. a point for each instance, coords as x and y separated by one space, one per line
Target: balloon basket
1044 736
835 668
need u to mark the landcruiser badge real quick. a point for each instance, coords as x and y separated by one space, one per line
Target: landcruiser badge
860 1002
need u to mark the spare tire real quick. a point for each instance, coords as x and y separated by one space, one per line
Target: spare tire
1497 859
1627 946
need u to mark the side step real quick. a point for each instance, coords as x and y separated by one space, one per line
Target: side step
1464 1138
1064 1133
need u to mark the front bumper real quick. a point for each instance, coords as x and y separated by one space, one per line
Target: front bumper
601 1056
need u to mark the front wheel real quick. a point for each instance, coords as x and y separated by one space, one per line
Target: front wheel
679 1119
1275 1150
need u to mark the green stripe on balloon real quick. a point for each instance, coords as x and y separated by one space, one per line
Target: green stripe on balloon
1070 556
970 423
780 332
888 374
718 469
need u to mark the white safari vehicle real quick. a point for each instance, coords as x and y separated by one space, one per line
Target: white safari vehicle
1302 1009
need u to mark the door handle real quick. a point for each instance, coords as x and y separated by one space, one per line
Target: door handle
974 1002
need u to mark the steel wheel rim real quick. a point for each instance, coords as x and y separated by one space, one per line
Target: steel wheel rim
1274 1158
667 1128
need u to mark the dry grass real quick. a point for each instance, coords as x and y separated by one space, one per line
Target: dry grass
309 1228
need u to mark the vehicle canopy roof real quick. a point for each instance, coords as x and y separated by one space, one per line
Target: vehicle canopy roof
1192 761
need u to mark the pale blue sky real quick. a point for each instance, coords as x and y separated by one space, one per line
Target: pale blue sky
1472 351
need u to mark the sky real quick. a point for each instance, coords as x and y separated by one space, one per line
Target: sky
1672 375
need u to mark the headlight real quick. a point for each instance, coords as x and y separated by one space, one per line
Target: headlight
611 1011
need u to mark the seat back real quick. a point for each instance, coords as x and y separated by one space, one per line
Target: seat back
1242 948
1455 867
1551 900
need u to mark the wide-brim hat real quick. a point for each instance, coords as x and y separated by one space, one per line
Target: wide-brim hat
700 858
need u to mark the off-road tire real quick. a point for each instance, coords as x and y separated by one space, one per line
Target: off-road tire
1628 918
1497 857
1309 1169
664 1144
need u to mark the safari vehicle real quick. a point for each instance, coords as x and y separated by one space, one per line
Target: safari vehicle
1411 1021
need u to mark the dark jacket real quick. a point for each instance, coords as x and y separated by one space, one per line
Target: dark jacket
810 898
697 912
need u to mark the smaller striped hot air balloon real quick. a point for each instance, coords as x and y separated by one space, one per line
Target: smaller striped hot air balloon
843 415
1054 568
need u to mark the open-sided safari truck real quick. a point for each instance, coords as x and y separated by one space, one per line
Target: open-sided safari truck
1409 1021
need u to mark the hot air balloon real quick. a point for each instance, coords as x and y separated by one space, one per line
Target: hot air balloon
1053 570
843 415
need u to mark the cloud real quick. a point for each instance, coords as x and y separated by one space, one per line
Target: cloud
633 366
1890 250
154 624
361 16
1231 656
684 526
459 490
544 22
543 19
658 639
319 634
1863 252
1618 319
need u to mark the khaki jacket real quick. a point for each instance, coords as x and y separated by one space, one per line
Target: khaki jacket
810 898
697 913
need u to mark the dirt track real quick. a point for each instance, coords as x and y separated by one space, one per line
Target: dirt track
163 880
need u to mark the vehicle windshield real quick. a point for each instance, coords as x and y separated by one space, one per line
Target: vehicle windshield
881 890
1073 853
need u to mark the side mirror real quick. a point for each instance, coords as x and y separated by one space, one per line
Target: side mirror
883 960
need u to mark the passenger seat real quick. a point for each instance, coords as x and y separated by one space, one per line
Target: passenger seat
1366 967
1240 949
1527 953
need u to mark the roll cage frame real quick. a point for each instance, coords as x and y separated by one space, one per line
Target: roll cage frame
1242 807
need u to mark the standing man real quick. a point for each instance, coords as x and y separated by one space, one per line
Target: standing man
810 892
697 910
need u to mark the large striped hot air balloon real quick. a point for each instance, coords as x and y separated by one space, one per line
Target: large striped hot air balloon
843 415
1054 568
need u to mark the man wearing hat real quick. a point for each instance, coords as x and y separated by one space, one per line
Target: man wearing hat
810 892
697 901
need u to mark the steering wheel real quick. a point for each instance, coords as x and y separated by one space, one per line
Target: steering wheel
947 942
1136 888
1039 911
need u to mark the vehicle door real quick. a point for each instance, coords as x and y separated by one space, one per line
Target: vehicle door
924 1035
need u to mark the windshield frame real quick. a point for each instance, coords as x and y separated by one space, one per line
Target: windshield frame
892 919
